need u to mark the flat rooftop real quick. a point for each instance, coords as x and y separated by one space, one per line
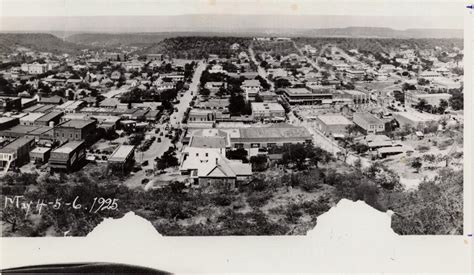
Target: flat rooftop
417 116
334 120
32 117
274 132
261 106
370 118
208 142
40 150
354 92
121 153
68 147
6 119
79 123
17 143
49 116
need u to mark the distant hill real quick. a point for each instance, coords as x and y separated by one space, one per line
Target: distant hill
114 40
36 41
194 47
381 33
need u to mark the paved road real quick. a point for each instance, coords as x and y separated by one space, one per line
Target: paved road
158 148
261 71
177 117
116 92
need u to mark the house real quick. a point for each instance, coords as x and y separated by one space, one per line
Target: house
222 174
68 157
215 86
115 75
341 67
368 123
133 65
154 56
335 125
268 110
387 67
251 88
430 75
217 69
163 86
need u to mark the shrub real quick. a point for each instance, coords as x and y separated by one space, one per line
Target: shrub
258 199
222 200
293 213
423 148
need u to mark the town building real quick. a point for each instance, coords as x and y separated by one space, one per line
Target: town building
16 153
369 123
49 119
75 130
355 74
201 115
412 98
71 106
8 122
335 125
273 135
357 97
30 119
268 110
8 103
414 118
303 96
429 75
34 68
69 156
251 88
40 154
122 158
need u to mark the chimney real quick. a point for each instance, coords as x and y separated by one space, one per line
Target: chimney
217 161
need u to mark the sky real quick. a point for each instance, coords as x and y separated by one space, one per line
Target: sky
24 15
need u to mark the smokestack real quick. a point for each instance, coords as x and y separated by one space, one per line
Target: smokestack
217 161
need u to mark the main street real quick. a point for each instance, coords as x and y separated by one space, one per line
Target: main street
158 148
261 71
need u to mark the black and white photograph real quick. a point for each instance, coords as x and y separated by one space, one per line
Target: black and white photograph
230 118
